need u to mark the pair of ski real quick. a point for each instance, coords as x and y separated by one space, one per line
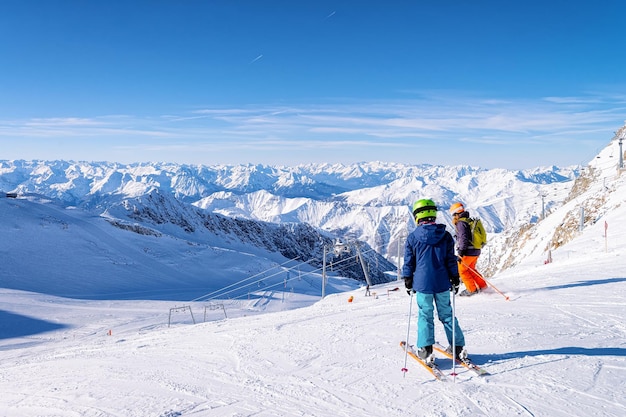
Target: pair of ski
434 370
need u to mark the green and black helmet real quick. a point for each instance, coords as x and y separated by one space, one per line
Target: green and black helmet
423 209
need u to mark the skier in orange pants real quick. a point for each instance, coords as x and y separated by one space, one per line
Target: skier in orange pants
472 280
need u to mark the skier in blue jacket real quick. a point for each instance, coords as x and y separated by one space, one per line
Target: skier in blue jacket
430 270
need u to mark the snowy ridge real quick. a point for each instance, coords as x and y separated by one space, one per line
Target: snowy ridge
368 202
595 193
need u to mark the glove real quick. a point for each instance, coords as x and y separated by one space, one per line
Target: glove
456 282
408 283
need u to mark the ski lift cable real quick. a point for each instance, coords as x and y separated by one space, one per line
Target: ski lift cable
250 284
220 292
276 284
244 280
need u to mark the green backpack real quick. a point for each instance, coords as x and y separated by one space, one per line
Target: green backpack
479 235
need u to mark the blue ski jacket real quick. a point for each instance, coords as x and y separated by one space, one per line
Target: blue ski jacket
429 258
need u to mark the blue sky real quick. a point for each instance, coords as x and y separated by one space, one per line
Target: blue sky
510 84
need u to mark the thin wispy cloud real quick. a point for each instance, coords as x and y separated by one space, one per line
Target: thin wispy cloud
417 118
63 122
343 126
256 59
572 100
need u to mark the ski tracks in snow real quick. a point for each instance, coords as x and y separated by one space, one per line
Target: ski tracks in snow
487 399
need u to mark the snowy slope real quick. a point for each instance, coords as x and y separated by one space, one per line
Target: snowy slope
557 348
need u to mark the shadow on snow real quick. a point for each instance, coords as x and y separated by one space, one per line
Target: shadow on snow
15 325
563 351
586 283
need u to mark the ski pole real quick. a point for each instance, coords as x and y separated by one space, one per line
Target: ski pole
453 335
408 329
506 297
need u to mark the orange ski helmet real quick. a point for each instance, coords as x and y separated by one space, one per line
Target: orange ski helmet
457 208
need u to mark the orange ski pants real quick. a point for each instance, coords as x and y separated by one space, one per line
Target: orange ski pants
470 277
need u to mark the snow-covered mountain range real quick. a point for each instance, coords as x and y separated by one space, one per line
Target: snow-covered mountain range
298 212
97 333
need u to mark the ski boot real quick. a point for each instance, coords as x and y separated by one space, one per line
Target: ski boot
426 354
459 353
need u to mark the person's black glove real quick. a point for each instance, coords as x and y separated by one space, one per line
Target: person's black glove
408 283
456 282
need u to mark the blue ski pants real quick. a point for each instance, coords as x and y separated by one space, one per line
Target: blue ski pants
426 321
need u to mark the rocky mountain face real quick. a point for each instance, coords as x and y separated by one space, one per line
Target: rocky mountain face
593 194
160 212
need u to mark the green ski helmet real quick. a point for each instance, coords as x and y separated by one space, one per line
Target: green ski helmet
423 209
